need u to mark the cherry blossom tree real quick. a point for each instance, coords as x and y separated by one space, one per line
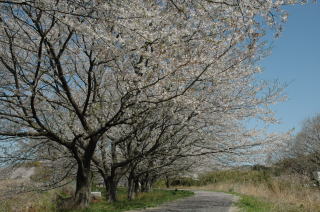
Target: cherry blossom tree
72 70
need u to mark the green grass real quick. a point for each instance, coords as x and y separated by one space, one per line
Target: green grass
144 200
255 204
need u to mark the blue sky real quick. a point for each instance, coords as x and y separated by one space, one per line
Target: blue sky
295 59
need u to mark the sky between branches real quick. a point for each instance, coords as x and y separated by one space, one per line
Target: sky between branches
295 60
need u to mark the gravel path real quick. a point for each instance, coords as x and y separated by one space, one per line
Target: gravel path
202 201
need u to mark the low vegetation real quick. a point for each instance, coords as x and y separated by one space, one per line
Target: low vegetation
48 201
26 202
249 203
260 189
253 204
143 200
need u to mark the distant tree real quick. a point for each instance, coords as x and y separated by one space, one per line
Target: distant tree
306 148
308 139
300 153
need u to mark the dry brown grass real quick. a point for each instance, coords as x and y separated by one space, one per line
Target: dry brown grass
285 192
13 201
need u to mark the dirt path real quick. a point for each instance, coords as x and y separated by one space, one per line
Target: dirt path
202 201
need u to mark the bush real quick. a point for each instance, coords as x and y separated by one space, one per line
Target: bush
235 176
232 176
184 181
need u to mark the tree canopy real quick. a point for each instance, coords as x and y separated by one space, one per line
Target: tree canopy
87 74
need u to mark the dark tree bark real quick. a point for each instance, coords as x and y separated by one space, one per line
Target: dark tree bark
106 185
167 182
113 184
130 193
137 186
83 186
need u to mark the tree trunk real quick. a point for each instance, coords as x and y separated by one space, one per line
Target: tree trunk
148 186
106 185
112 178
83 187
167 182
137 186
112 190
113 184
131 186
145 185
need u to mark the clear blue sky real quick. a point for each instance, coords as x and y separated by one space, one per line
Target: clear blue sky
295 59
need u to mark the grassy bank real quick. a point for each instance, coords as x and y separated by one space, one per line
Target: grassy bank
249 203
40 202
28 202
252 204
260 190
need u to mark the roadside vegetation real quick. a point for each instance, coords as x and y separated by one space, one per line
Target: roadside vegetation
48 201
260 189
253 204
143 200
249 203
